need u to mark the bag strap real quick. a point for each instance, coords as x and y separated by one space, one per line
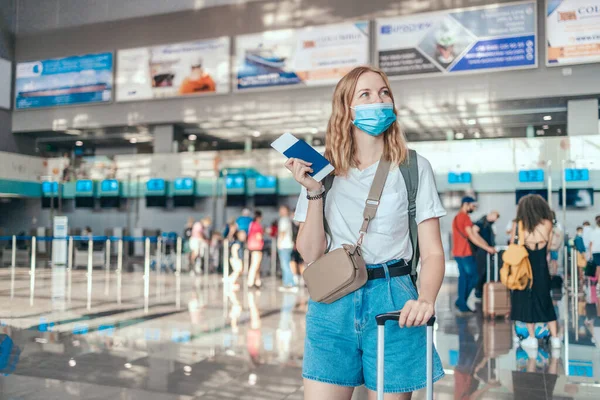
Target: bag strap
410 173
519 238
372 203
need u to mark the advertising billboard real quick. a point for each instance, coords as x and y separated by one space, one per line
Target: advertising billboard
173 70
64 81
309 56
496 37
572 32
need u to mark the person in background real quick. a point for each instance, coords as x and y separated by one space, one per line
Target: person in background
256 244
534 305
463 235
207 225
230 230
556 243
197 246
509 230
84 244
296 263
215 251
587 231
579 245
485 228
236 259
285 247
244 221
595 243
187 231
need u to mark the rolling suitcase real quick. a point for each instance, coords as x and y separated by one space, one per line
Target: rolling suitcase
496 296
497 338
395 316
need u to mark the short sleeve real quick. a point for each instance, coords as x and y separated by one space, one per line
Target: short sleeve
301 207
428 200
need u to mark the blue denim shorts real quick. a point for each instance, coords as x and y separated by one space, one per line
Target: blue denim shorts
341 339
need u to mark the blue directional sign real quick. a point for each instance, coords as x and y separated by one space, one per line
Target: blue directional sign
531 175
109 187
49 188
266 182
184 183
235 182
156 186
84 187
577 174
459 177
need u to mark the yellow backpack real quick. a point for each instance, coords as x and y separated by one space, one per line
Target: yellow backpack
516 271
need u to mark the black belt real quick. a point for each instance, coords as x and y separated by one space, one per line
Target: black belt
399 268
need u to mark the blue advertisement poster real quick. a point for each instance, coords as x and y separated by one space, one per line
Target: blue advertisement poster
495 37
312 56
64 81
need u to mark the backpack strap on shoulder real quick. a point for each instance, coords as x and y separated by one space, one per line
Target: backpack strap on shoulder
327 184
410 173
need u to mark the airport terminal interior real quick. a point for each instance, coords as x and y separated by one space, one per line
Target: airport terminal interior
136 145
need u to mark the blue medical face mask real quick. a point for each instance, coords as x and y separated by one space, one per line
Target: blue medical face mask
375 118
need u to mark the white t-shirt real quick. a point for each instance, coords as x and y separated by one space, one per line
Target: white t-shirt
388 235
285 235
595 240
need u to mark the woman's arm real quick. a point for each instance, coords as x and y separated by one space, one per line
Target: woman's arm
311 242
433 267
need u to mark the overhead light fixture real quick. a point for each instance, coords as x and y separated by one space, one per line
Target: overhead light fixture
477 135
79 143
73 132
127 365
256 134
187 369
133 140
459 135
192 137
547 117
472 121
545 127
72 363
540 132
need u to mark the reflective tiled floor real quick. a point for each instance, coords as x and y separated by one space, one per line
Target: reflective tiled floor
245 345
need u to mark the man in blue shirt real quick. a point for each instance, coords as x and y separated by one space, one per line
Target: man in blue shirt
244 221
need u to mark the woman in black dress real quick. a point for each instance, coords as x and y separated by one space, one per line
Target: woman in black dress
534 304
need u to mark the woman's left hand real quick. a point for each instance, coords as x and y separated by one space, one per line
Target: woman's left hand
416 313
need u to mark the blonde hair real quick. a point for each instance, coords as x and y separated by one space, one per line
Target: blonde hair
339 141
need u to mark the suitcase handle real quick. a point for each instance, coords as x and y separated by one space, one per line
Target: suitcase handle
395 316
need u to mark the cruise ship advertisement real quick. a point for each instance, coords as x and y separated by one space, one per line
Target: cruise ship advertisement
309 56
478 39
173 70
573 32
64 81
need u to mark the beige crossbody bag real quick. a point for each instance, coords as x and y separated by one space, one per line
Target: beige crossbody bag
342 271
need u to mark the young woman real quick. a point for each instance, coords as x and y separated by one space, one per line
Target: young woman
256 244
341 337
535 305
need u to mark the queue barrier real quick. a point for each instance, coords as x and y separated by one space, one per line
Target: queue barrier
25 254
